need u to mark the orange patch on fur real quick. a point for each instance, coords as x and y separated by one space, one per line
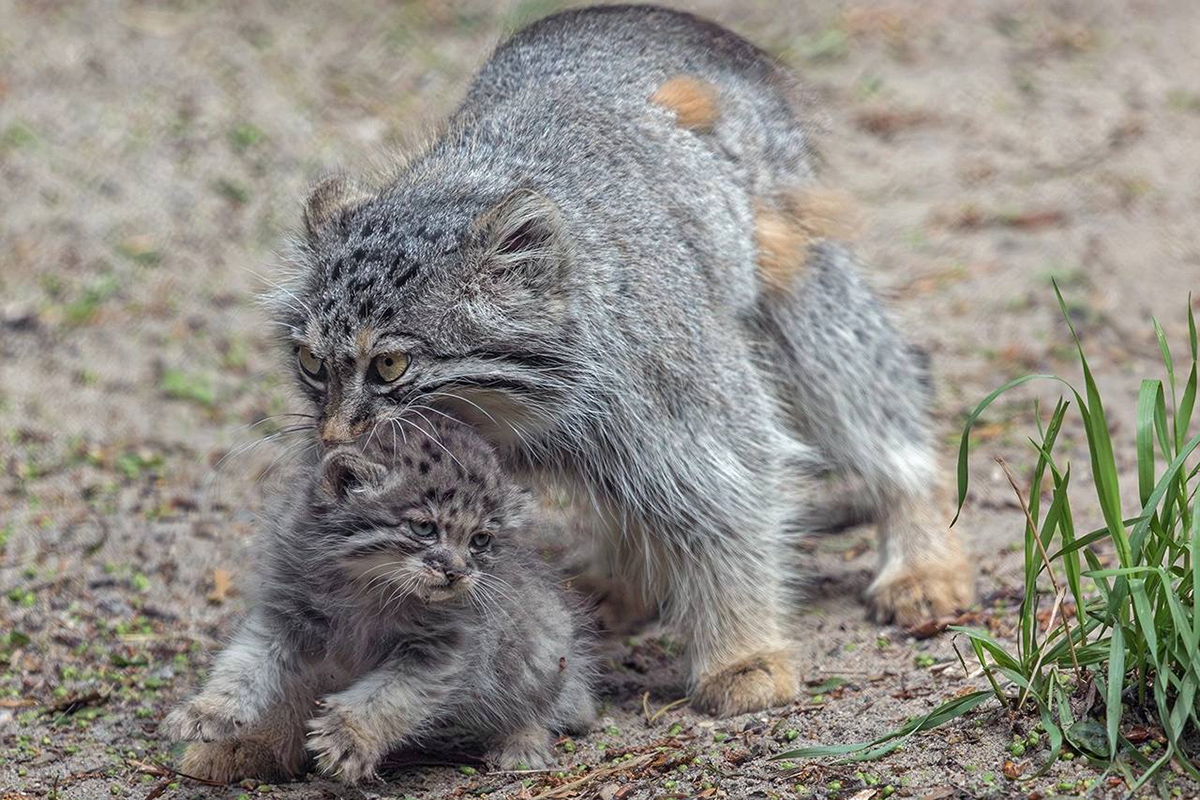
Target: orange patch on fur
694 102
784 234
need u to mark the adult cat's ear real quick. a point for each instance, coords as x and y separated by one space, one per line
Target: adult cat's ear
329 202
345 473
524 240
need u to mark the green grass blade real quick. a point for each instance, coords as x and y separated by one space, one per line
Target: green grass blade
994 648
964 444
1138 535
942 714
1116 682
1104 469
1187 403
1148 399
1091 537
1192 329
1195 588
1168 360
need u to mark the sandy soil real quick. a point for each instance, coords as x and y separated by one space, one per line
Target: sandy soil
153 158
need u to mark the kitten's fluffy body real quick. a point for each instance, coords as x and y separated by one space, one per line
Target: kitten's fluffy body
605 263
399 599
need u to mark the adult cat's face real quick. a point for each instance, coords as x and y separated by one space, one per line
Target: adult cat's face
419 300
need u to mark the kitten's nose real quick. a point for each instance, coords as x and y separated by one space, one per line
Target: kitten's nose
452 575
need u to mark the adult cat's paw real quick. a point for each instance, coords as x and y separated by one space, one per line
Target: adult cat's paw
759 681
911 595
341 747
528 749
206 719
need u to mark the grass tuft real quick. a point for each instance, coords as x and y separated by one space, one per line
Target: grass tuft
1122 645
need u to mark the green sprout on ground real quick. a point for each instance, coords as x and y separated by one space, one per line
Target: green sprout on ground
1126 633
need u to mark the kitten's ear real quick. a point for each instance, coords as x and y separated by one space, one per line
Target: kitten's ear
328 204
344 474
525 240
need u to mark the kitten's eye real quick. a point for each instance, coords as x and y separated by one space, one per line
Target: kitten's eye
423 530
388 367
481 541
313 367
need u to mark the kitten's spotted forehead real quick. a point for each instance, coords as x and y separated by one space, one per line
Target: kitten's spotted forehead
447 469
439 453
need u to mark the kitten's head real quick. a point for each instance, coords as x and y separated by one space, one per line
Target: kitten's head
423 516
428 294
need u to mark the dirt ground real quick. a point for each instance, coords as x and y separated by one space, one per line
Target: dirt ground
153 158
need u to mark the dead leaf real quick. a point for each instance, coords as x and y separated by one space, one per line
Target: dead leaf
927 629
1139 734
887 122
1030 220
1012 771
16 702
939 793
69 705
865 794
221 587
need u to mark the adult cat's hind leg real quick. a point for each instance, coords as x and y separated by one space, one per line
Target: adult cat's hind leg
859 393
715 563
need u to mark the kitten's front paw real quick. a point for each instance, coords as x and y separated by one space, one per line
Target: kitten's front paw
760 681
528 749
341 747
909 596
205 719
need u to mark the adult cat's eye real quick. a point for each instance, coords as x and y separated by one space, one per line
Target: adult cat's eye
388 367
423 530
481 541
313 367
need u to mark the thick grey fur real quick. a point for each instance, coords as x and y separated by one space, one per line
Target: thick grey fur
374 634
576 273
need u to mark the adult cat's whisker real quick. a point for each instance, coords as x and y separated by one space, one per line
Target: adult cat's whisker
288 454
512 426
431 409
431 438
271 437
436 437
279 287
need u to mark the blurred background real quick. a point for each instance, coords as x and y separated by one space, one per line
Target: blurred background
154 158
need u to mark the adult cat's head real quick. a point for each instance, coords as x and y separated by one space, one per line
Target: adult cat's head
427 295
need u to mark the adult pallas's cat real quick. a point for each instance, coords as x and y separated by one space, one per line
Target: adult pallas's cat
611 263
